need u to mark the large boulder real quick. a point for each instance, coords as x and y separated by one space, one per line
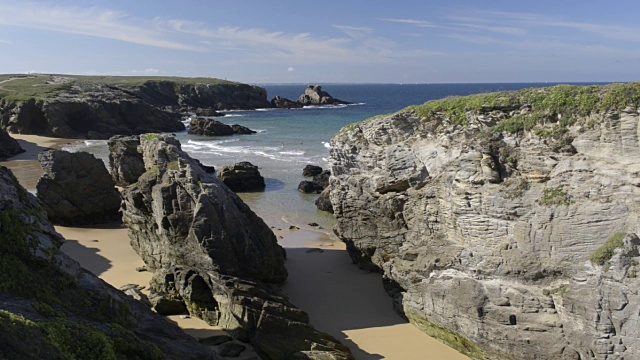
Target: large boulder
242 176
8 146
76 189
125 159
502 223
314 95
210 127
311 170
52 308
207 249
309 187
323 202
322 179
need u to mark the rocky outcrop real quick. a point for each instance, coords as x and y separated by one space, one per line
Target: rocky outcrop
99 108
210 127
125 160
190 94
243 176
323 202
76 189
309 187
284 103
8 146
322 179
208 250
508 231
52 308
93 112
314 95
311 170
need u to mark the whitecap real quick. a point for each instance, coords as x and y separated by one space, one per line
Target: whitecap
291 152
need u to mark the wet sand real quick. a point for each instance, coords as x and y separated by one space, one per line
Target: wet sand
341 300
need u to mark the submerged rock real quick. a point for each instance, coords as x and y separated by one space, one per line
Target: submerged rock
8 146
242 130
242 176
494 238
76 189
309 187
206 248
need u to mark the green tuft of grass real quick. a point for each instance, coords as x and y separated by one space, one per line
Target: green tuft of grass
555 196
605 252
448 337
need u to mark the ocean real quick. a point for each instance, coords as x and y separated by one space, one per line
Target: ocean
289 139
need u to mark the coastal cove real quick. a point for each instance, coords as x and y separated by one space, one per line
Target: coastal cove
432 205
289 139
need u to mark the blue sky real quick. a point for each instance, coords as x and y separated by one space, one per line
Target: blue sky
326 41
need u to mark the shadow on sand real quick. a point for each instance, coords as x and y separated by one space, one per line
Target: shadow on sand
337 295
86 256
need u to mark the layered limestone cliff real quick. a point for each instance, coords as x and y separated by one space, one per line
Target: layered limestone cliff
505 224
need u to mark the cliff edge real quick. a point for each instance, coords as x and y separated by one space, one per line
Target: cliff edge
505 224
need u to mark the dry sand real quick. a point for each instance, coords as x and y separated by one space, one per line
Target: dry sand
341 300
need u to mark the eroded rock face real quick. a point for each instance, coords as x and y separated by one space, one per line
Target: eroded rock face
207 249
489 235
43 290
8 146
243 176
76 189
125 159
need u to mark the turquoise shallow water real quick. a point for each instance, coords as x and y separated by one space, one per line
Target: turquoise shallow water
287 140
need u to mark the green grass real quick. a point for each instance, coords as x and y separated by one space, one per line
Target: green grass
450 338
563 104
605 252
555 196
559 290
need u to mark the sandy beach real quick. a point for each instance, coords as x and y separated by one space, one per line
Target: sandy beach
341 300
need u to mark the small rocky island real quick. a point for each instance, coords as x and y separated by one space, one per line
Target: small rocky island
313 95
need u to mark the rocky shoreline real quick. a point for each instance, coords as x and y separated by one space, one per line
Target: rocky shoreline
84 107
504 224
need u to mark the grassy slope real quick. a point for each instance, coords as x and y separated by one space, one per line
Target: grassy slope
568 101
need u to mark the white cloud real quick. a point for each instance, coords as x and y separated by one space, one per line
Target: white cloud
355 32
2 41
418 23
92 21
505 30
291 69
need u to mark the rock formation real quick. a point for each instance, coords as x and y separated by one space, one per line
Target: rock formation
8 146
209 251
210 127
125 159
242 176
76 189
505 224
309 187
98 108
311 170
284 103
52 308
313 95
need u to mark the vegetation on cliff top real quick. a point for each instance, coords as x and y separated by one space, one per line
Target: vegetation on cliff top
40 86
564 100
564 103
